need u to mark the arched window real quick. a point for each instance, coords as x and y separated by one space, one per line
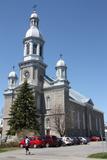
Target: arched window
34 48
12 81
97 124
47 123
27 48
78 119
73 119
90 122
41 51
84 125
100 128
63 73
34 22
48 102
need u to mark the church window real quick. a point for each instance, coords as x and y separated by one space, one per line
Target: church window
33 73
28 48
47 123
83 120
58 73
48 102
34 22
78 120
40 50
100 126
73 119
96 124
34 48
40 78
90 123
63 73
12 81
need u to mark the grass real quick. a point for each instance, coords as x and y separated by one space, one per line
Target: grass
102 155
8 149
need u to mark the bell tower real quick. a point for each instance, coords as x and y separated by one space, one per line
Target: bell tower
33 68
61 70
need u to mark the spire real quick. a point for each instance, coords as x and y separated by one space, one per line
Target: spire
60 61
61 56
61 69
34 7
12 79
34 19
33 31
13 68
33 41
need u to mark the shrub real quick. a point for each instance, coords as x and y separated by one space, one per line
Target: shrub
10 144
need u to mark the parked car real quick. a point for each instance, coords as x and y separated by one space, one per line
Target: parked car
95 138
76 140
88 139
83 140
52 141
67 141
35 141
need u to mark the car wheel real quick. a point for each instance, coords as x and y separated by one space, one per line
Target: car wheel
21 146
34 146
47 144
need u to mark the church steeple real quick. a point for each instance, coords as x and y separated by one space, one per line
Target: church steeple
33 67
12 79
34 19
33 41
61 70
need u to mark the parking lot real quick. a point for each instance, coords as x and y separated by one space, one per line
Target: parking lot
76 152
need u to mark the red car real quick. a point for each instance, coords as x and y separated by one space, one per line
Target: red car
35 141
51 141
95 138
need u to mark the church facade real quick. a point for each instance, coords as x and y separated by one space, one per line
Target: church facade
63 110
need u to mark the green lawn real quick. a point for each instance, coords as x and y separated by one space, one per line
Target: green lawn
8 149
102 155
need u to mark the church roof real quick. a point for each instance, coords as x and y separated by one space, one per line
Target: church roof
79 97
48 78
12 74
60 63
73 94
33 32
34 15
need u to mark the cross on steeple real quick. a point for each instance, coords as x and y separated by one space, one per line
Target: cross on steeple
34 7
13 68
61 56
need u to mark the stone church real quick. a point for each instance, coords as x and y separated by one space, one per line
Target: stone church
62 108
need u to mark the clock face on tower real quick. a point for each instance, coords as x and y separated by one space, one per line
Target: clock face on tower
26 74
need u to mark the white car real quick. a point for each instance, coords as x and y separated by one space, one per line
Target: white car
83 140
67 141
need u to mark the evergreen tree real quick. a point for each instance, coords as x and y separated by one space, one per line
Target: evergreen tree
23 112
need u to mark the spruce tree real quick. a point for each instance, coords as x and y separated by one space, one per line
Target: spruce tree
23 112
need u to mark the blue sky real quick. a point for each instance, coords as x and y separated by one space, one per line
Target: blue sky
75 28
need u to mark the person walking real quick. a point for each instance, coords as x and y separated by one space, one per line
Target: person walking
27 145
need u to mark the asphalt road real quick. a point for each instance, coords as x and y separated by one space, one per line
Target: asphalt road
77 152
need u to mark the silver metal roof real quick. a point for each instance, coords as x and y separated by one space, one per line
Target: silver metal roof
79 97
